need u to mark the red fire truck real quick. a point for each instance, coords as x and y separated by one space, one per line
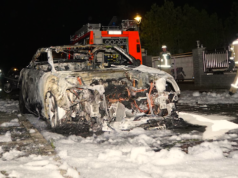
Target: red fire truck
126 36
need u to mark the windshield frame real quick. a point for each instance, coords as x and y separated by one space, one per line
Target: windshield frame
89 52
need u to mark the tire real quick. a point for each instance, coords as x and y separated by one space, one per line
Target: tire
22 107
7 87
52 110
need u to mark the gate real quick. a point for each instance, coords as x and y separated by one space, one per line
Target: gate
182 68
215 61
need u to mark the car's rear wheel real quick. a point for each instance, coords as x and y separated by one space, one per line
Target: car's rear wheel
22 107
52 110
7 88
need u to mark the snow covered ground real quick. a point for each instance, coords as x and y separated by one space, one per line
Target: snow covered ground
19 164
28 167
126 155
8 106
131 154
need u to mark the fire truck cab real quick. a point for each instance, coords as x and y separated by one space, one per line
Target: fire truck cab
126 36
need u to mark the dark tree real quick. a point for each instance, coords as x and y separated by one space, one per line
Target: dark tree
180 28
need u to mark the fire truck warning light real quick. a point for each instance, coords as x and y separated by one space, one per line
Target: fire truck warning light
114 32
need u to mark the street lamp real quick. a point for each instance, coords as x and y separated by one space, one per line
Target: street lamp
138 19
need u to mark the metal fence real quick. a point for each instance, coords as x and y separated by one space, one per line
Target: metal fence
182 66
215 61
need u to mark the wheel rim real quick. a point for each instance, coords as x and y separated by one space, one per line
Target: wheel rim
7 88
52 110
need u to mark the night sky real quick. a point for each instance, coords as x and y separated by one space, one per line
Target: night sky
30 24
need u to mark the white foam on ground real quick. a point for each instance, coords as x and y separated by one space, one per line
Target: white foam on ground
32 131
2 176
15 174
12 154
121 156
215 128
30 166
196 94
72 173
12 123
9 106
6 137
206 150
216 97
129 154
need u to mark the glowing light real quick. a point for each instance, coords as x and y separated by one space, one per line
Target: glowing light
235 85
138 19
15 69
164 46
114 32
235 42
164 66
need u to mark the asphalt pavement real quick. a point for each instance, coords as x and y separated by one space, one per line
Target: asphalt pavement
25 137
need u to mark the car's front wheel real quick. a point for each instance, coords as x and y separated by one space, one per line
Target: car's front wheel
52 110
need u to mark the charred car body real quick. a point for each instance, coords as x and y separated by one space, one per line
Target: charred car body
97 85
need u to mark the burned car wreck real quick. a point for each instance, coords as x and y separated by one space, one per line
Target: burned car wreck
98 85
